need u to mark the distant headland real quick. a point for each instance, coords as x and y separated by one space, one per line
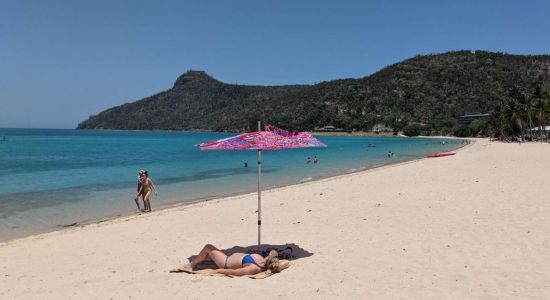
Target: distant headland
426 92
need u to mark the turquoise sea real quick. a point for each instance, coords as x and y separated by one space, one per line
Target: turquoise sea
51 178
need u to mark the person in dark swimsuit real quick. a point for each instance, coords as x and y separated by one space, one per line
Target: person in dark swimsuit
138 191
237 264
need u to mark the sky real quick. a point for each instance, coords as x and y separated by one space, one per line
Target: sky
64 60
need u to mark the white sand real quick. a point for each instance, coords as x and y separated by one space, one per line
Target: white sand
473 225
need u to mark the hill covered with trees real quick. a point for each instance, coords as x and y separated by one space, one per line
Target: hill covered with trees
427 93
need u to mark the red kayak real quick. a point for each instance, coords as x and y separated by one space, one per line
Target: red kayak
441 154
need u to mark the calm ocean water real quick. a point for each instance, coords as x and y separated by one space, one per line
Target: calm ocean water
50 178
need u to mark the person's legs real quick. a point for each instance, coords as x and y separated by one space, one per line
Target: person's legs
136 199
209 251
146 202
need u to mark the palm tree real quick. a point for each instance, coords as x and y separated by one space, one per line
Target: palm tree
522 108
507 117
499 122
545 110
538 108
541 108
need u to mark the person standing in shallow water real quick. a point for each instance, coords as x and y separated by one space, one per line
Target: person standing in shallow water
315 160
147 187
308 161
138 191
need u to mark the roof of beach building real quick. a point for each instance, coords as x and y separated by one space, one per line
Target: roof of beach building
544 128
476 114
329 128
467 118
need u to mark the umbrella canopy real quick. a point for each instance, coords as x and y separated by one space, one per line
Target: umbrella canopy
272 138
263 140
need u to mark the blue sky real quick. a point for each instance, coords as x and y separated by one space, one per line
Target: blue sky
61 61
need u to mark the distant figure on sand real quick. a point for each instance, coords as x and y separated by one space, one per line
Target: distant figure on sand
315 160
308 161
138 191
147 187
236 264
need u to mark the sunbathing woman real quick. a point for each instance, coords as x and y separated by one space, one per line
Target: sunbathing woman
237 264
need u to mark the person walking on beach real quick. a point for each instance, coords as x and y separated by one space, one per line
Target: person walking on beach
147 187
138 191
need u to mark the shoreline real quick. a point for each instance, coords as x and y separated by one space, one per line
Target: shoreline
175 204
455 227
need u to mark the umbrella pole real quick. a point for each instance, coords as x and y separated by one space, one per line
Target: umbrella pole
259 192
259 198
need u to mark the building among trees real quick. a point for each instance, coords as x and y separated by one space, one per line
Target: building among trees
467 119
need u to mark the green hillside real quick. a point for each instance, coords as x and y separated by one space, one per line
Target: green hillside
429 92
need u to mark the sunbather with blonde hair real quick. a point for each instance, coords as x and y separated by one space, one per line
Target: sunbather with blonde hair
237 264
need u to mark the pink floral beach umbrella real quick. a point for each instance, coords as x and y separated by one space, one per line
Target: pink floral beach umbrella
272 138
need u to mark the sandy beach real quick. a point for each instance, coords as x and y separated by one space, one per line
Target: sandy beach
470 226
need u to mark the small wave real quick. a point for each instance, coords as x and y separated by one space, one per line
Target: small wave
306 179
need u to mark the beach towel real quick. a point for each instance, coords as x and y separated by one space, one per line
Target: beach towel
282 253
208 267
286 251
